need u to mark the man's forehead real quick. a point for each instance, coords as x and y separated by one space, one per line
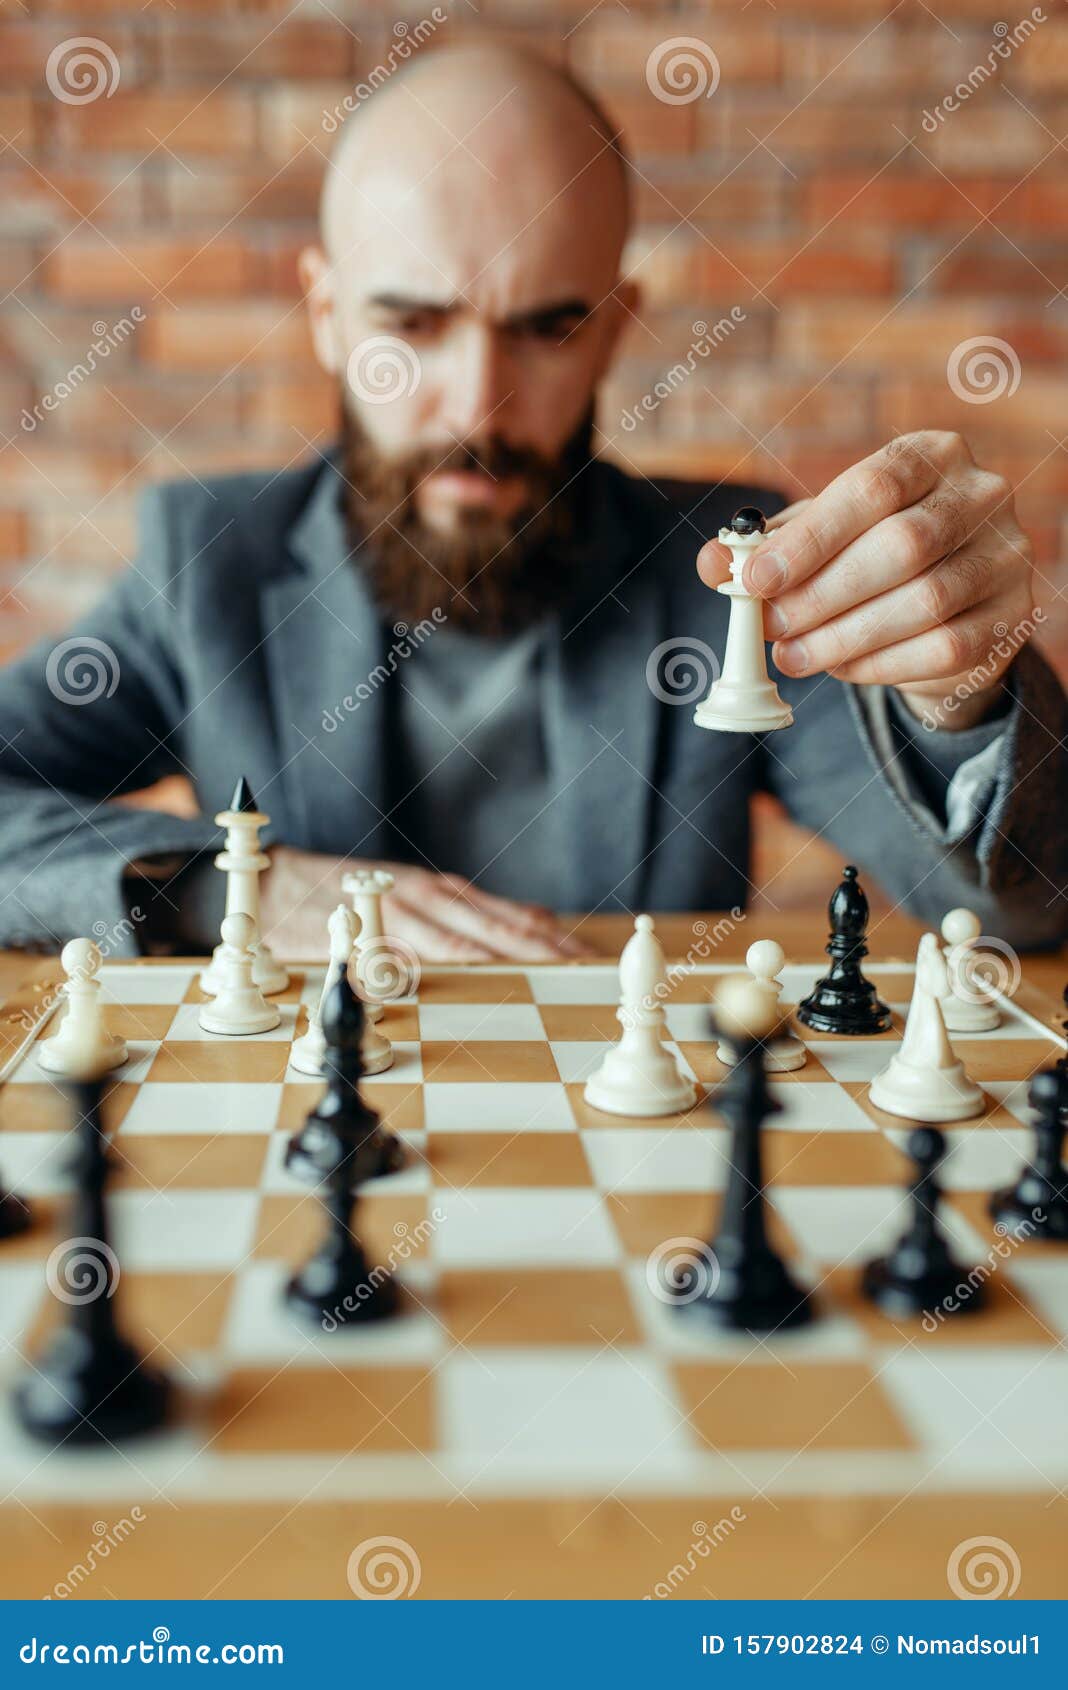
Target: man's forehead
457 236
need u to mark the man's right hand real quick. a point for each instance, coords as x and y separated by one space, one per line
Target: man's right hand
442 916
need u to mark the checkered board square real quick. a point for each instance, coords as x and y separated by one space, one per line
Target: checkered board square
534 1355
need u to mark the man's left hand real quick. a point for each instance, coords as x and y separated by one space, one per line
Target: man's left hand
909 570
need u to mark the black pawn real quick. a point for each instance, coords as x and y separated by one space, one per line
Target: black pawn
844 1001
920 1276
1037 1205
342 1127
748 520
750 1288
15 1214
90 1384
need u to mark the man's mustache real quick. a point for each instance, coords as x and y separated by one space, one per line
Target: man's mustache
497 459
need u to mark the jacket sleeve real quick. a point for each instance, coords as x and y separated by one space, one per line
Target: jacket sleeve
85 719
840 772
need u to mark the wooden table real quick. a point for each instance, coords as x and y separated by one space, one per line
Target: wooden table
803 1544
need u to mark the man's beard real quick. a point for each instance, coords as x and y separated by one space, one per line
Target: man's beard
493 575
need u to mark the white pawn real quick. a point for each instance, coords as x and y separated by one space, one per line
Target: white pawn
765 960
639 1075
238 1006
82 1044
924 1081
376 1052
309 1050
966 1008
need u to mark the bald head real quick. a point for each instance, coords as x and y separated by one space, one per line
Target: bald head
487 117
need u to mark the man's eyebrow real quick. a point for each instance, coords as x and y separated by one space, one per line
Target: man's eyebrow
402 302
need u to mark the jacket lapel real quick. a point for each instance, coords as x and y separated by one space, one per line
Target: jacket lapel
324 646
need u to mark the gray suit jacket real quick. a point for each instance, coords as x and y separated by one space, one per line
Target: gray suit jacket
246 621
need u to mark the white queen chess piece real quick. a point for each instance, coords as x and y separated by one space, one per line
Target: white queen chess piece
966 1008
924 1081
367 887
744 699
784 1051
639 1075
243 862
239 1006
82 1042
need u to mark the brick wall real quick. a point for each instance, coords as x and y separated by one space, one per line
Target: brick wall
858 247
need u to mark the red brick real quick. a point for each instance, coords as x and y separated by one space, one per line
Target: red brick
649 128
14 534
243 48
784 269
989 138
56 198
131 408
225 337
609 48
916 335
741 119
17 122
190 122
106 537
241 194
669 191
992 266
1041 62
48 472
281 409
928 201
1034 412
146 266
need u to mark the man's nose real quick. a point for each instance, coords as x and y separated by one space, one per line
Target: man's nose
476 388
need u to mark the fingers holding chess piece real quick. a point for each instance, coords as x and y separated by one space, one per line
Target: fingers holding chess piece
83 1037
966 1007
784 1051
239 1007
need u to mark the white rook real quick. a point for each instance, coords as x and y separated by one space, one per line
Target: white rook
367 887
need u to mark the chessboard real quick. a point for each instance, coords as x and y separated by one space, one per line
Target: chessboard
539 1420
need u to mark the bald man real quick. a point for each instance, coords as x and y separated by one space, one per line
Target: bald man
437 645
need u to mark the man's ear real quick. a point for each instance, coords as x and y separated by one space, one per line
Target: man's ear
317 280
624 304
